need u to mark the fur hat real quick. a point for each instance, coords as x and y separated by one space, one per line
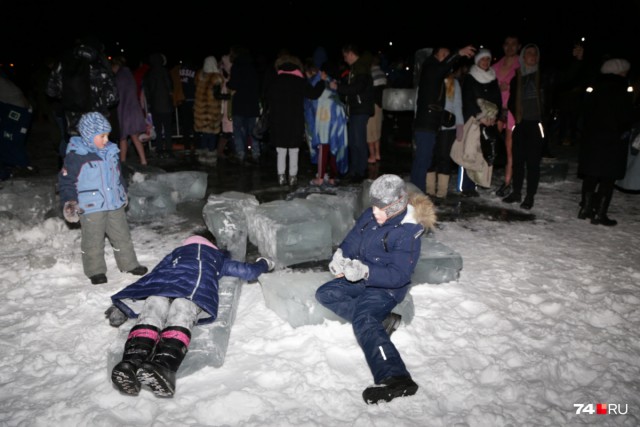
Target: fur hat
92 124
389 193
210 65
482 53
615 66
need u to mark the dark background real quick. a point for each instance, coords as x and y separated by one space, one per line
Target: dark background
32 34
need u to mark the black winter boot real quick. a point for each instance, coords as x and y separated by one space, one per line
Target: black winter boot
600 214
391 323
586 208
138 348
159 373
390 388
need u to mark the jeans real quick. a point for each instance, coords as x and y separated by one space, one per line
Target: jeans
425 141
242 131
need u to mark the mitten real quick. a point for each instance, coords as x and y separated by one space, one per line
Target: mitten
270 264
355 270
336 266
116 316
71 211
459 132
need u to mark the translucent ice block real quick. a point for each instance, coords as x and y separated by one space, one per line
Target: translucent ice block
291 295
149 200
41 203
290 232
438 263
185 185
226 216
339 214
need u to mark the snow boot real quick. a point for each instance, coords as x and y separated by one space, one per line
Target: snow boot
389 389
586 209
293 180
138 348
431 184
443 186
600 214
282 179
159 373
391 323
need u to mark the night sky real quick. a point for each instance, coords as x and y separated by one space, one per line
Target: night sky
31 33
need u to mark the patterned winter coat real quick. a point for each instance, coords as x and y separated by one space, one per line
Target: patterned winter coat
390 250
207 110
191 271
92 177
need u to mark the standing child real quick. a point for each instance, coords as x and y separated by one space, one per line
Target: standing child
181 291
92 192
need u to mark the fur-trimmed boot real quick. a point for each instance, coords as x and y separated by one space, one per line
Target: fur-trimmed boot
159 373
138 348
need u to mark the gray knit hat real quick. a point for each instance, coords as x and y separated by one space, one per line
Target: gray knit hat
92 124
389 193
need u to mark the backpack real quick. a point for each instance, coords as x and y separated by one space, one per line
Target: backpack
76 80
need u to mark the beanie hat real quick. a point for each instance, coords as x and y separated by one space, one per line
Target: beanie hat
389 193
482 53
615 66
210 65
92 124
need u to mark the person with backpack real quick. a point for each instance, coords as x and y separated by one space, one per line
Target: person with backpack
83 81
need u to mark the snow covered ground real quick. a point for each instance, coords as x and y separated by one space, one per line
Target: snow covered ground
544 316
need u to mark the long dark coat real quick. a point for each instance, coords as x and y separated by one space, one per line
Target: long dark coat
608 113
285 100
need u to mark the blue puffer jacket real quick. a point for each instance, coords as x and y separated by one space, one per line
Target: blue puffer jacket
390 250
191 272
92 177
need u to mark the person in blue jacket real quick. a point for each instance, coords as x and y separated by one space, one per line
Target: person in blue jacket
180 292
373 268
92 192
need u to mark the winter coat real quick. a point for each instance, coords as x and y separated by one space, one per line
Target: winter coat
207 109
608 113
92 177
472 90
130 115
192 272
358 91
390 250
157 86
244 84
431 91
285 98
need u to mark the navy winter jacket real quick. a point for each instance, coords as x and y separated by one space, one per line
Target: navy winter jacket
390 250
190 272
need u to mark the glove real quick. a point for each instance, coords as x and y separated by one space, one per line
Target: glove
270 264
355 270
116 316
459 132
336 266
71 211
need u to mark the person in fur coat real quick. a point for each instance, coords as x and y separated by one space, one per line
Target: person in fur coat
373 267
180 292
207 110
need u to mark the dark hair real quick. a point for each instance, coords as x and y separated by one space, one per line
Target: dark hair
350 47
204 232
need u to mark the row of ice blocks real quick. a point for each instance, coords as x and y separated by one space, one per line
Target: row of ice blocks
289 232
209 343
156 194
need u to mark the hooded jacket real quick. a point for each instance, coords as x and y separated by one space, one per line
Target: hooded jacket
191 271
390 250
92 177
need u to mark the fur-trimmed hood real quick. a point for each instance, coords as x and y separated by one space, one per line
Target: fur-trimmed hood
423 210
